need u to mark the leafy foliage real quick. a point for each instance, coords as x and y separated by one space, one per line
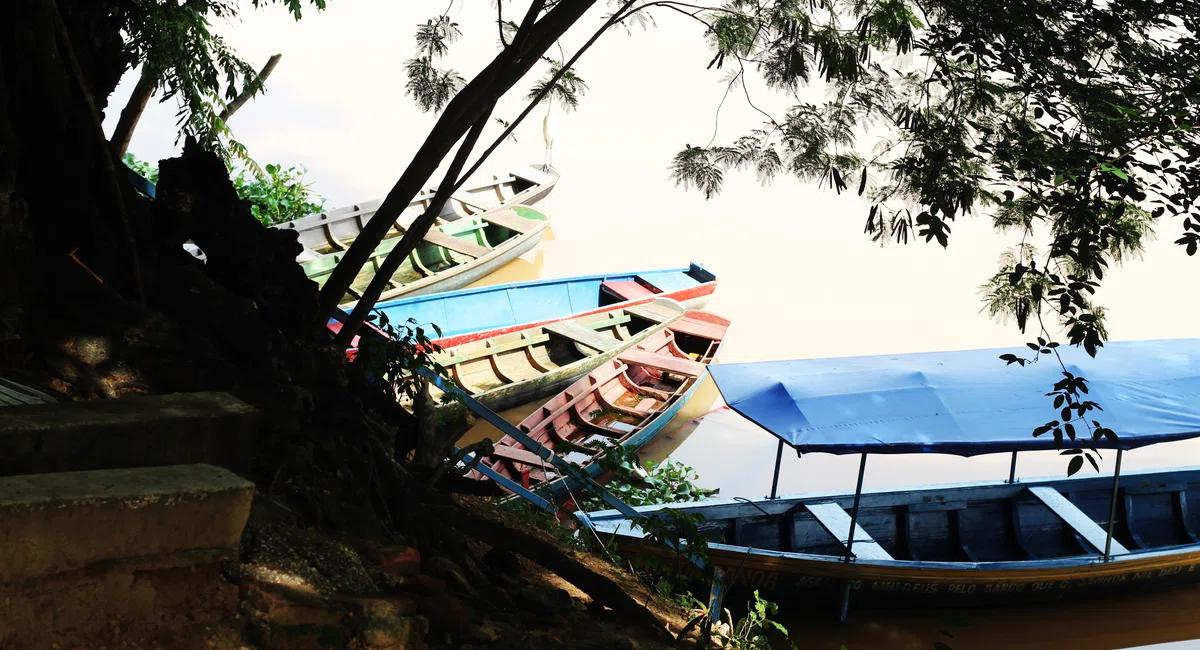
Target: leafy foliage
1070 121
194 66
566 90
279 195
276 196
395 359
665 482
143 168
430 86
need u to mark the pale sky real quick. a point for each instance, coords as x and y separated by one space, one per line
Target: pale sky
797 276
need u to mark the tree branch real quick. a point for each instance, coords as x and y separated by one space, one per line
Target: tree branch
251 89
412 236
614 19
123 133
459 116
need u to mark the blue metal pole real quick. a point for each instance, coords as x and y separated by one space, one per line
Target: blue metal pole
1012 470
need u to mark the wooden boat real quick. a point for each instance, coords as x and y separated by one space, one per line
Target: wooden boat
985 543
625 401
981 543
450 256
531 364
483 312
334 230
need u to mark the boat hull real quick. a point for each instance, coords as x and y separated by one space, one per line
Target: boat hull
462 275
1054 559
822 582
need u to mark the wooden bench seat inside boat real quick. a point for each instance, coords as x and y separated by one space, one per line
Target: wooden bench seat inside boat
699 328
1075 518
468 200
652 312
508 219
628 289
439 238
581 334
669 363
837 521
519 456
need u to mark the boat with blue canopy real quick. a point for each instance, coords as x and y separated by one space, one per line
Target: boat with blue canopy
979 543
479 313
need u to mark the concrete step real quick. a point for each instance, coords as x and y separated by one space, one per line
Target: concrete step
127 519
137 431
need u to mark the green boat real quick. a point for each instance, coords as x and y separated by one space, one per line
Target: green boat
451 256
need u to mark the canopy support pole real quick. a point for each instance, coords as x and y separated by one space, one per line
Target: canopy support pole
778 460
862 470
1012 469
1112 508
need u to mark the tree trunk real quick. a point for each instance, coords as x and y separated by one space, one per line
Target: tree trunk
121 136
252 89
461 113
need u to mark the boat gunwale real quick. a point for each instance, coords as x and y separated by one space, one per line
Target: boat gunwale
610 522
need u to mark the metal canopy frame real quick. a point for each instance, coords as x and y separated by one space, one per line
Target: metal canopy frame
862 470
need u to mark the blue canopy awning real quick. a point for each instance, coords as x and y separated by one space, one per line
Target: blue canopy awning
966 402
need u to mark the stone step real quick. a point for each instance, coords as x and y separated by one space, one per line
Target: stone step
126 519
136 431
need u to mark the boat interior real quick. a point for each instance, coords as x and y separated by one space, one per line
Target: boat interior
334 230
609 405
480 366
646 285
973 523
443 247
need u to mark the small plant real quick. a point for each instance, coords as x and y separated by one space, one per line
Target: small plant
143 168
278 195
396 358
664 482
751 631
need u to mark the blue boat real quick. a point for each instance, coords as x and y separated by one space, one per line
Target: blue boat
472 314
980 543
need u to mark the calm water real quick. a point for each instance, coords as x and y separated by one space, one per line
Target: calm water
795 292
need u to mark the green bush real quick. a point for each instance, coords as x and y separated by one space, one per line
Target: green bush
276 196
279 195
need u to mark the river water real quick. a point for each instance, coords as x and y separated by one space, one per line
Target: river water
791 294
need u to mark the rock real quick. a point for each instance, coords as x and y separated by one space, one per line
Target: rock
279 605
394 633
503 563
446 614
548 600
626 643
447 570
400 561
544 640
421 586
483 633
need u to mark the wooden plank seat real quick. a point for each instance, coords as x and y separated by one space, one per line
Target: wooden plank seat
627 289
837 521
522 456
1075 518
582 335
652 312
509 219
469 201
495 349
699 328
667 362
439 238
